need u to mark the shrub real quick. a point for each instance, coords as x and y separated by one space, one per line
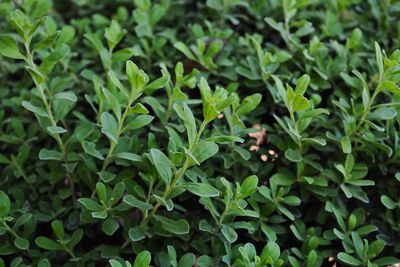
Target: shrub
199 133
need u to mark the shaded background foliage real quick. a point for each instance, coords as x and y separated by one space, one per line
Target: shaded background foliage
91 145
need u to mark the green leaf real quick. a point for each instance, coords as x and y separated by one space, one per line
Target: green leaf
46 154
389 86
48 244
115 263
346 144
302 84
205 150
163 165
157 84
117 83
53 58
90 204
284 179
70 96
225 138
249 104
110 226
37 110
383 113
385 261
58 229
187 260
138 122
21 243
136 233
4 204
379 59
388 202
136 203
293 155
113 103
106 176
358 244
128 156
179 227
346 258
56 129
270 253
376 248
102 193
229 233
90 148
300 103
185 50
249 186
109 126
190 156
137 78
143 259
201 189
8 47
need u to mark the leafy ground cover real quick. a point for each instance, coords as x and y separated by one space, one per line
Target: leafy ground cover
199 133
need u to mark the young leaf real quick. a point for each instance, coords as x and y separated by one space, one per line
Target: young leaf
8 47
109 126
163 165
143 259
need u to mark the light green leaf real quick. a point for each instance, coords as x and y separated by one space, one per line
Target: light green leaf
8 47
56 129
46 154
293 155
90 148
37 110
302 84
109 126
185 50
229 233
162 164
346 258
4 204
136 203
138 122
201 189
249 186
205 150
346 144
143 259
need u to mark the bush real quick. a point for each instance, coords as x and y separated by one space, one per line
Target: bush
199 133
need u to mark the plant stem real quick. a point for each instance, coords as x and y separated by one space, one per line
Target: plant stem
365 113
113 144
53 122
178 175
9 229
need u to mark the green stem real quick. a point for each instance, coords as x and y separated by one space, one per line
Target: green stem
53 122
23 174
9 229
296 128
70 252
222 217
113 144
178 175
365 113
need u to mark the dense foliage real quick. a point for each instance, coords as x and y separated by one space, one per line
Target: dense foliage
199 133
